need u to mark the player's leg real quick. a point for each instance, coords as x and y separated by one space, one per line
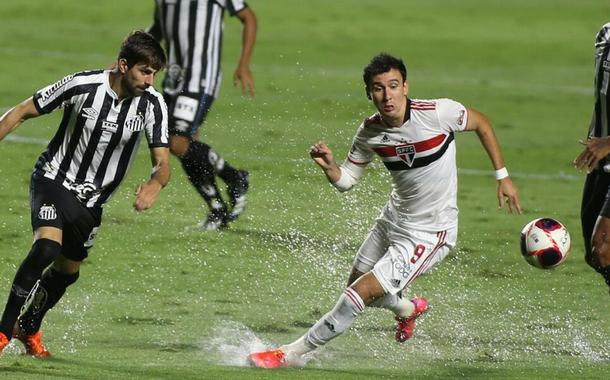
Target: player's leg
594 216
200 162
600 244
237 180
80 225
45 249
47 225
349 305
47 292
371 251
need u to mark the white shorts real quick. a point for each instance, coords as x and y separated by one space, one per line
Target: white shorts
397 256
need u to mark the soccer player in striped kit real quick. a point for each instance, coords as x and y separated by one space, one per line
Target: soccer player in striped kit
418 226
595 206
192 31
105 115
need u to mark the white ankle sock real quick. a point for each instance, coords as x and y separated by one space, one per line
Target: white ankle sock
336 321
398 305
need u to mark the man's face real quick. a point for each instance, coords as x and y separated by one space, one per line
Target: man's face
138 78
388 92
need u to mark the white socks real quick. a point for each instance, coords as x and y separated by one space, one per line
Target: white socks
398 305
331 325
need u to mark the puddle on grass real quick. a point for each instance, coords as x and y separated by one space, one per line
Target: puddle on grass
231 342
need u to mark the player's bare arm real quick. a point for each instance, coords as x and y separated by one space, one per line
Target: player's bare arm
507 191
16 115
323 156
242 75
596 148
148 192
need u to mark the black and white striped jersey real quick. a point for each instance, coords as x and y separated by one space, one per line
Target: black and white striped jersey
600 122
98 136
192 31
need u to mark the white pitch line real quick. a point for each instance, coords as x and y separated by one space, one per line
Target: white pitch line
471 172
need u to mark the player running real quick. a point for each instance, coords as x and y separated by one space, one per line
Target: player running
418 226
105 115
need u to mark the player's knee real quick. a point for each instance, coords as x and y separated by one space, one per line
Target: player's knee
42 254
600 251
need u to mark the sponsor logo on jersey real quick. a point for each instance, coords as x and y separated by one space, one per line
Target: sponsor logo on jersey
406 153
135 124
90 113
109 126
385 138
83 191
47 212
54 87
395 282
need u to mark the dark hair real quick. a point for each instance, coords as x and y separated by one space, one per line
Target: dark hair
141 47
382 63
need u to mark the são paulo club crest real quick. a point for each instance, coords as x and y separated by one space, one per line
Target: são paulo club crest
406 153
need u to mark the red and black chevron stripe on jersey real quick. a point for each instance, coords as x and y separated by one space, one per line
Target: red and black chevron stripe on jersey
422 146
420 105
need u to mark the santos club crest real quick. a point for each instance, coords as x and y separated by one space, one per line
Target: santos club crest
406 153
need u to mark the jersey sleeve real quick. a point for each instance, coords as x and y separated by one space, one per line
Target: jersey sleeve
54 95
236 6
603 36
360 153
452 116
156 123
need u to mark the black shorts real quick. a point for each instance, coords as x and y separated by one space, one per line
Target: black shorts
187 112
52 205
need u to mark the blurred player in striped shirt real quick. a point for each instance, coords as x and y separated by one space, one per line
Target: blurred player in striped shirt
192 31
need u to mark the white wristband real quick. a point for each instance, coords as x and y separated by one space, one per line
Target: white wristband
501 173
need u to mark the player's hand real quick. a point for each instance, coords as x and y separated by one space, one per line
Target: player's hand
322 155
242 77
508 194
596 148
146 195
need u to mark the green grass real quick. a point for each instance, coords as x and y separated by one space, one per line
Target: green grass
157 300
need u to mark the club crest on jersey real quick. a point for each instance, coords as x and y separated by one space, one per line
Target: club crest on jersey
47 212
135 123
406 153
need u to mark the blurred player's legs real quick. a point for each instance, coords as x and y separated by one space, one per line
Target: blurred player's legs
202 164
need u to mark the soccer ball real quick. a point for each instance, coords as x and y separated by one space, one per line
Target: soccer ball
545 243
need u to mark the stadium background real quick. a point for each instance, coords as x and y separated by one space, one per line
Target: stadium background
159 300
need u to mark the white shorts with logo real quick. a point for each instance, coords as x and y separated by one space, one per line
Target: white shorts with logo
397 256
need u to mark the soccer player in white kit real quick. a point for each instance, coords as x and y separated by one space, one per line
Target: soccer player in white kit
418 226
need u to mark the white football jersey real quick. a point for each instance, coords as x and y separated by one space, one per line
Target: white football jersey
420 156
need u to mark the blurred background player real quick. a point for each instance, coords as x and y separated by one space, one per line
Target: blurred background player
192 30
418 226
106 112
595 206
